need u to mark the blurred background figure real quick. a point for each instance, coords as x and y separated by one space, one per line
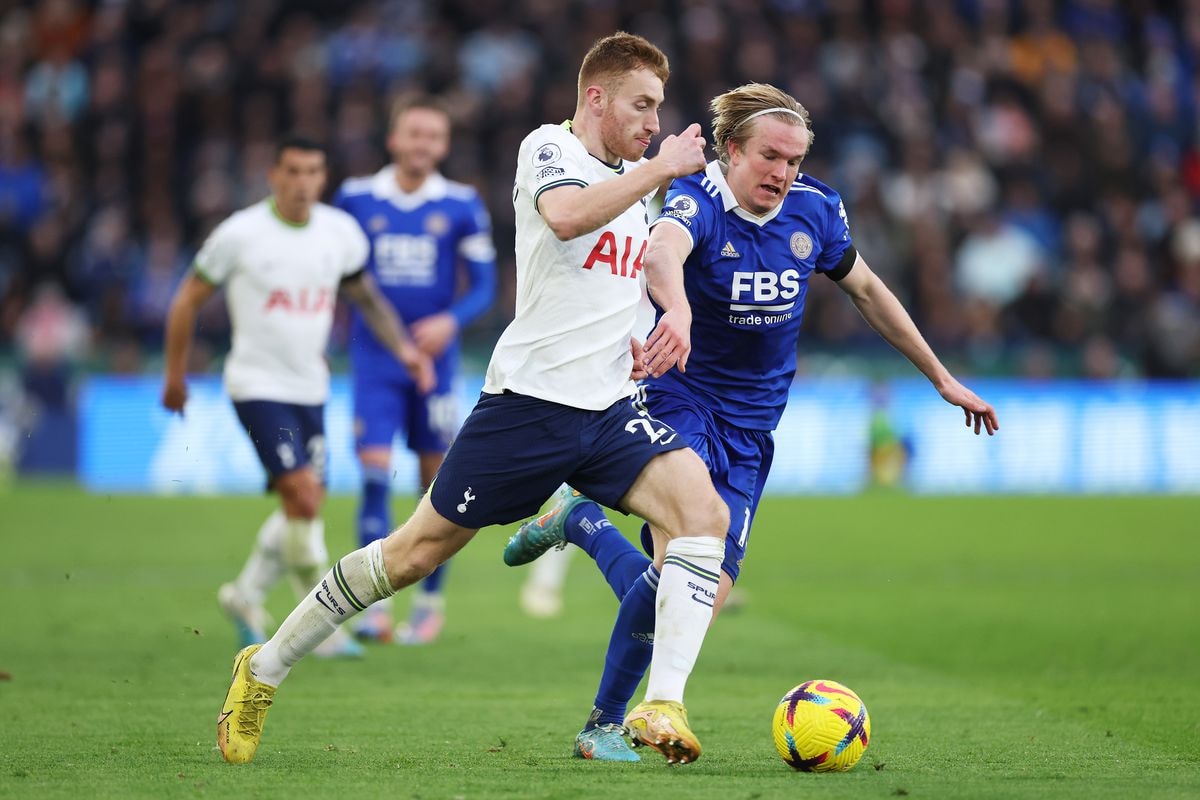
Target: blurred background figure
1027 172
425 231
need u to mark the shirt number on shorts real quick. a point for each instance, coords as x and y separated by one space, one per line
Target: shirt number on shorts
655 430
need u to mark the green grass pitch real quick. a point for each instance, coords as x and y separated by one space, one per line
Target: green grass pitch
1005 647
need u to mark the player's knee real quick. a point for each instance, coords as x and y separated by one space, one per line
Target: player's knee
375 457
304 505
704 516
301 495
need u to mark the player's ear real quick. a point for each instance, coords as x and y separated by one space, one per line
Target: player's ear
731 149
596 98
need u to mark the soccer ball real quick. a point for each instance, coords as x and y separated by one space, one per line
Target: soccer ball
821 726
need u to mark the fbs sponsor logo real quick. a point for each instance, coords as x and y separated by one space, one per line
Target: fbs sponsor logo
550 172
648 638
728 252
702 595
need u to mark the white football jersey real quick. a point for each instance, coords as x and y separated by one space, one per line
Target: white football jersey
576 300
281 282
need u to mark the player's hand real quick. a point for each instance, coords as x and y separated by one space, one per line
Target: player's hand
639 360
978 413
419 366
433 334
670 343
683 154
174 396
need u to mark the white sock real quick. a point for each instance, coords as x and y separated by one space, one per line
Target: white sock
304 553
354 583
431 601
549 571
265 565
687 590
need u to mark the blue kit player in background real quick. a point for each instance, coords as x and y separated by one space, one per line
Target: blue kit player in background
728 266
422 227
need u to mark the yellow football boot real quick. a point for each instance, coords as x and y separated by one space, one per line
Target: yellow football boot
240 723
663 726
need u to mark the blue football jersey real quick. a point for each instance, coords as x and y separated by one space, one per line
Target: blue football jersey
417 242
746 280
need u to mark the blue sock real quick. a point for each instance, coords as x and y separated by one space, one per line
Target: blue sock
621 562
374 517
629 652
433 581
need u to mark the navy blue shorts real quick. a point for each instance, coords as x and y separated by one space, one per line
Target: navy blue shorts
286 436
514 451
387 401
738 460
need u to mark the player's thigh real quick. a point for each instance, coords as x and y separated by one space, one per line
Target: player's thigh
286 436
674 493
747 457
380 406
424 541
432 422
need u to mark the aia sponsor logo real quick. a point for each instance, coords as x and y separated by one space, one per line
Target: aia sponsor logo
310 301
608 251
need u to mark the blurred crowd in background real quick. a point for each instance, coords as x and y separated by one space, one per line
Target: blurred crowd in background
1025 174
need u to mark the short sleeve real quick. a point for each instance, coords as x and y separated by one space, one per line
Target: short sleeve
475 241
837 234
358 248
550 157
218 255
688 207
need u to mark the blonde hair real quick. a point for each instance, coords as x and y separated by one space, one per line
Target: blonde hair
734 110
612 57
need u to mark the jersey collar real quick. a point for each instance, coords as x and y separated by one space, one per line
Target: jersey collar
384 187
715 174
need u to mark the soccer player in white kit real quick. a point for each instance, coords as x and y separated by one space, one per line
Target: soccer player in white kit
558 404
283 262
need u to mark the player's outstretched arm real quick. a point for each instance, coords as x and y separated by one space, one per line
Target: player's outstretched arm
884 312
572 211
383 321
177 338
670 343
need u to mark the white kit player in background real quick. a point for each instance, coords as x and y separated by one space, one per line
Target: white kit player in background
283 262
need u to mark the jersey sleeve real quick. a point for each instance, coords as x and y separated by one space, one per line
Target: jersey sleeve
475 233
218 255
690 208
550 157
357 248
477 251
837 239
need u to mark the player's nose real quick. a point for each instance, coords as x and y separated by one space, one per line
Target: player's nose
652 126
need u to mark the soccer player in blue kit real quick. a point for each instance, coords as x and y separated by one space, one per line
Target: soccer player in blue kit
421 227
558 404
728 267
